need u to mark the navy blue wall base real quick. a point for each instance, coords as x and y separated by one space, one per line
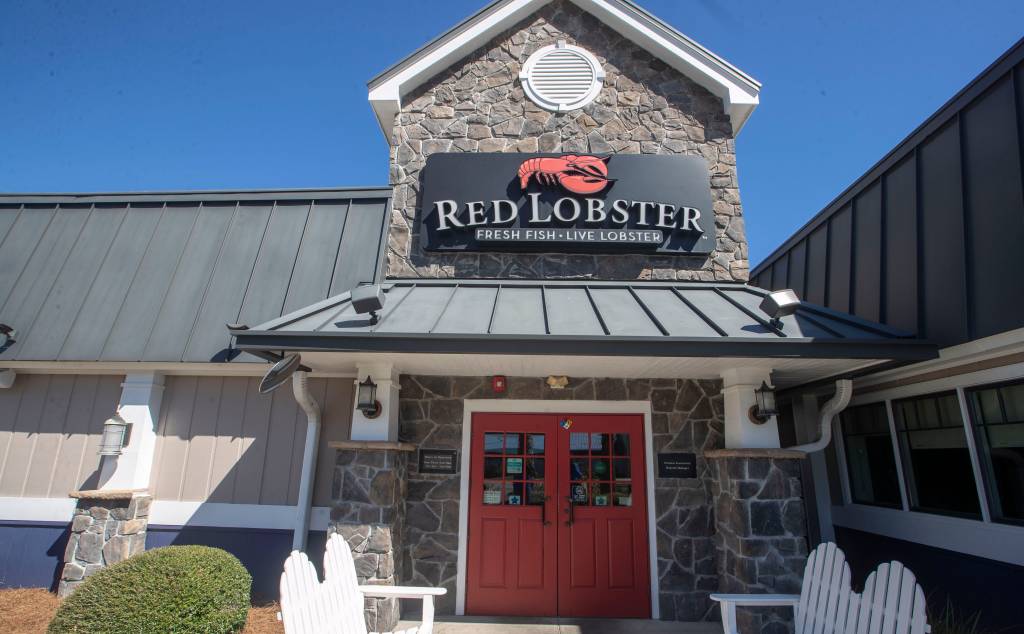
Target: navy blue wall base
261 551
973 584
32 553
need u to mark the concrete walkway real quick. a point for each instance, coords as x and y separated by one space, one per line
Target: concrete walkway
515 625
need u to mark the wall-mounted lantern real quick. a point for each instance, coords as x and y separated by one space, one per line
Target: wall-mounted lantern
366 399
115 433
764 404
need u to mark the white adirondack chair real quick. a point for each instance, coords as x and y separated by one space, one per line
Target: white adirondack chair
892 601
336 605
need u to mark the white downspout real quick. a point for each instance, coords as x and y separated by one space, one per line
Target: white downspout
309 405
844 390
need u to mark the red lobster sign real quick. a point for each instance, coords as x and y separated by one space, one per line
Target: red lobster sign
577 174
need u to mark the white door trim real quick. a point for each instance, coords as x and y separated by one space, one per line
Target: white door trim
533 406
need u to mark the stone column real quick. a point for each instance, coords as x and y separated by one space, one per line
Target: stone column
368 511
108 527
761 529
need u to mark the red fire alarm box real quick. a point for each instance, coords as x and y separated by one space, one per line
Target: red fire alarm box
498 383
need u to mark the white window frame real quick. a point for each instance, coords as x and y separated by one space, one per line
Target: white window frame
981 538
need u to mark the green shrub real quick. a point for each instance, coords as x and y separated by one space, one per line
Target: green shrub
181 589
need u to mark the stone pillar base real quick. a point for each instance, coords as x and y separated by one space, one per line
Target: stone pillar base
108 527
368 511
761 529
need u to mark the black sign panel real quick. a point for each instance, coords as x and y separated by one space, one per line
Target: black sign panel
564 203
440 461
677 465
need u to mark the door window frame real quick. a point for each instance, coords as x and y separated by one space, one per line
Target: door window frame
533 406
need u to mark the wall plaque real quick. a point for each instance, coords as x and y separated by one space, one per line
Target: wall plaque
558 203
677 465
439 461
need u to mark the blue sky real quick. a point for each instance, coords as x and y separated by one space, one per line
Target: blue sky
130 95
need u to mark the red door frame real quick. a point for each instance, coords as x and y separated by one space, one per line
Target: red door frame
511 569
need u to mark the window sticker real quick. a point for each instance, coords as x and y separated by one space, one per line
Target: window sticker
513 466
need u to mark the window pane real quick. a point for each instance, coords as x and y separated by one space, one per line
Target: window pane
492 492
599 444
535 444
513 443
623 495
621 442
535 469
936 460
621 467
579 443
601 469
998 416
579 494
492 467
514 493
579 469
492 443
535 493
869 456
601 494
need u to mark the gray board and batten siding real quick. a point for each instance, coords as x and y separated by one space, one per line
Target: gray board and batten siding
156 276
929 239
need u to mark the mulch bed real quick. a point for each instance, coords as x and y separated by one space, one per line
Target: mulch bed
28 611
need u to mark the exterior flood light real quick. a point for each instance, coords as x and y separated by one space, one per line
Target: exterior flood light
366 399
368 299
115 432
779 304
277 375
764 404
6 336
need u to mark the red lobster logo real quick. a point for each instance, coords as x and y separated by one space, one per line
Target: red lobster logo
578 174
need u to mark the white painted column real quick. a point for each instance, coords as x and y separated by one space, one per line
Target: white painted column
141 395
738 385
384 426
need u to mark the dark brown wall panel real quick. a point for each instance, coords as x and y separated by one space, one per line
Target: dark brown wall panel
993 200
900 263
867 253
817 256
943 278
780 272
840 243
798 268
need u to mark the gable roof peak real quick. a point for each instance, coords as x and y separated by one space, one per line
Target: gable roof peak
738 91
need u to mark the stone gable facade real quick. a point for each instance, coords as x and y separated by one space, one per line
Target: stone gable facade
645 107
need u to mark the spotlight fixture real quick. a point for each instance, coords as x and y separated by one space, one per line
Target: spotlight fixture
368 299
7 335
115 433
279 373
764 406
779 304
366 399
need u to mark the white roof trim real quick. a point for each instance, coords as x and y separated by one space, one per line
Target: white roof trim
738 91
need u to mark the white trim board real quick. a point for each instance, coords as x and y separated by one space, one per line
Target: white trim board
226 515
36 509
999 542
533 406
166 368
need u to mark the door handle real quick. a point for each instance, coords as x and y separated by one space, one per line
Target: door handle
544 511
572 517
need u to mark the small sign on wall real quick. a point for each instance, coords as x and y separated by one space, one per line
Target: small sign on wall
438 461
677 465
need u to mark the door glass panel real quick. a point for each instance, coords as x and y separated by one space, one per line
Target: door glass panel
513 443
623 495
514 493
600 495
492 467
492 443
578 492
535 468
579 443
535 444
621 443
599 444
535 493
600 469
579 469
492 492
621 468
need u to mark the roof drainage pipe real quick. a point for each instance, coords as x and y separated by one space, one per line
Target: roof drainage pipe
300 387
838 402
7 379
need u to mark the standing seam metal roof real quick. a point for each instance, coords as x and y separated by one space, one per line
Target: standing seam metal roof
572 317
155 276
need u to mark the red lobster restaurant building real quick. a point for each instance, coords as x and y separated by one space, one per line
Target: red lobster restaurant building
532 368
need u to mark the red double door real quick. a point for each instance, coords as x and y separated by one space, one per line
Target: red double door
557 516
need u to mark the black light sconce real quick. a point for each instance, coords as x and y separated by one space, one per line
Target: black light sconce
366 399
764 404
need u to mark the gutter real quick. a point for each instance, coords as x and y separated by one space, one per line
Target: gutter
300 388
844 390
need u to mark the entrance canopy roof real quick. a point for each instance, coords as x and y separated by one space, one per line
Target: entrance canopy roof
646 325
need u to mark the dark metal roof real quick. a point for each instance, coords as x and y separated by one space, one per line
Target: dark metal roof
926 239
657 319
155 276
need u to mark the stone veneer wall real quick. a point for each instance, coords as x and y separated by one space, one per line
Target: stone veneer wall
107 527
369 491
761 530
687 417
645 107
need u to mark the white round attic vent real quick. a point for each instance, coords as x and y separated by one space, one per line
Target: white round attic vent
561 77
